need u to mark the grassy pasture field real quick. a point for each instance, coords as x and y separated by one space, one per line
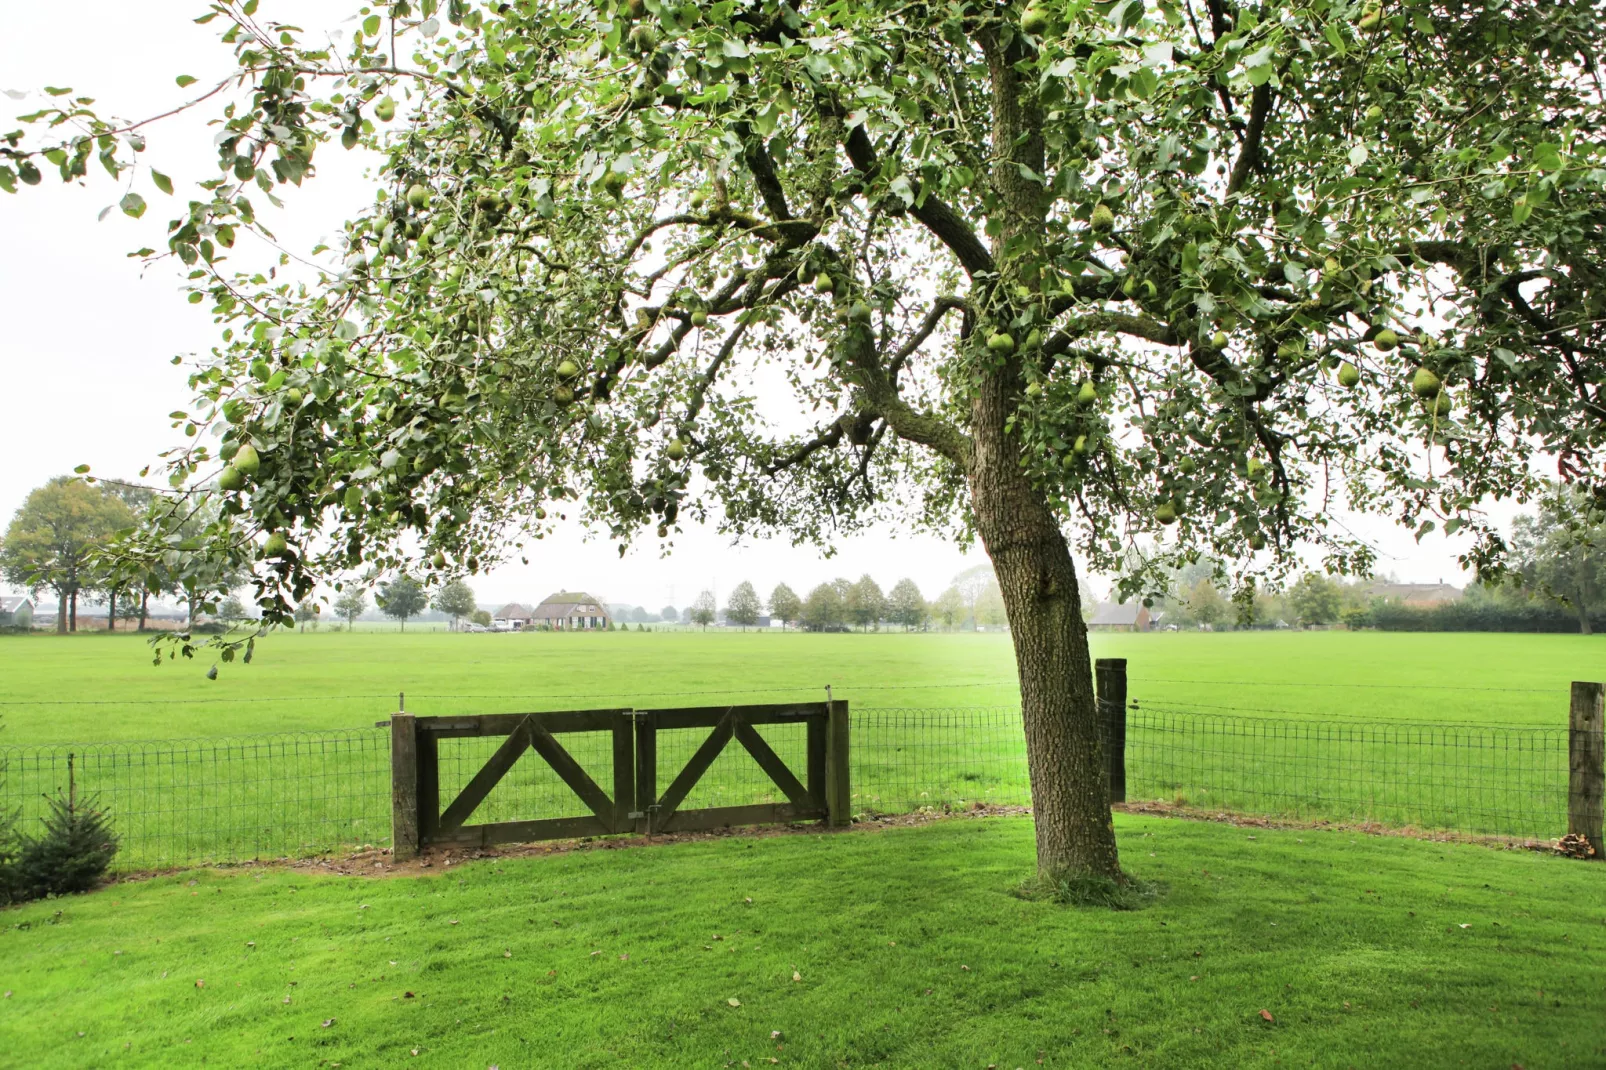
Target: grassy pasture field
895 948
1291 725
97 687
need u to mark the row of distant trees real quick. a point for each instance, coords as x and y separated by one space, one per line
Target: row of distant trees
1556 581
972 600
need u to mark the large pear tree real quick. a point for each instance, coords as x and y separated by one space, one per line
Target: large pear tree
1141 279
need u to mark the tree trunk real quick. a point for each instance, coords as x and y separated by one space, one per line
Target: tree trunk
111 610
72 610
144 604
1042 600
1583 614
1070 790
61 612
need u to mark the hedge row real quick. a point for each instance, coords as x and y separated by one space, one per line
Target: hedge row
1469 616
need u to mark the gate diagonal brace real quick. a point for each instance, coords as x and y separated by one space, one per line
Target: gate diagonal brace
772 765
475 791
532 734
711 748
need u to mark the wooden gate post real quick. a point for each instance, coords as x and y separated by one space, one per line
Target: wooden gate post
403 787
838 784
1110 677
1586 763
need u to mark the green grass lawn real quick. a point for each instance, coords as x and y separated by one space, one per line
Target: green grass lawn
99 687
894 948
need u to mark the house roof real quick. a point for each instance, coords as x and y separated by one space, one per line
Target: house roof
10 604
1416 592
1116 613
568 604
512 611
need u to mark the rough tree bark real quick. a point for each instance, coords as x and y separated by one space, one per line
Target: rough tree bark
1070 793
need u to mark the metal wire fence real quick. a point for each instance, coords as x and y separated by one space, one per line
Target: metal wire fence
179 802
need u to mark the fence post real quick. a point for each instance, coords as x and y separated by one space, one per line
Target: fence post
1586 763
403 787
1110 676
838 785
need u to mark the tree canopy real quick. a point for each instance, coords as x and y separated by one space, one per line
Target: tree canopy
455 599
52 541
744 606
785 605
401 599
1560 552
1160 277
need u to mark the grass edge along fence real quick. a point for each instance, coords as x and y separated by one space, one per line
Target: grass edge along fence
233 799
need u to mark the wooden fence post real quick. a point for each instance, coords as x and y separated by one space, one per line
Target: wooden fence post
838 784
403 787
1110 677
1586 763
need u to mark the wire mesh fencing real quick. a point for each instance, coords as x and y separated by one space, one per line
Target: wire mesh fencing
180 802
1479 780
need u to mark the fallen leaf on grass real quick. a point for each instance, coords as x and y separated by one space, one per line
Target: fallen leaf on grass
775 1034
965 968
625 957
1264 1013
507 953
200 984
327 1022
795 976
286 999
1466 925
1195 977
734 1002
594 954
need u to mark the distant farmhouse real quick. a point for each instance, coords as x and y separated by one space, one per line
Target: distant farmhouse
566 611
1123 617
1416 594
15 612
512 617
571 611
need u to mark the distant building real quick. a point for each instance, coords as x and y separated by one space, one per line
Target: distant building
569 611
1416 594
1122 617
512 617
16 612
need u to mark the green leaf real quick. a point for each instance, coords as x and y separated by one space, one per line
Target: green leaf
57 91
1334 38
370 25
132 204
184 80
1143 83
1547 157
1358 155
162 182
81 469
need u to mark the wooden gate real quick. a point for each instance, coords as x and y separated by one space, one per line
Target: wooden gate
418 821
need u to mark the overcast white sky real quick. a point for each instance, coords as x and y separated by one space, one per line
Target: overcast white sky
86 339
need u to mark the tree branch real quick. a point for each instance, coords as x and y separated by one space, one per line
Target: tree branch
939 309
1249 153
934 213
